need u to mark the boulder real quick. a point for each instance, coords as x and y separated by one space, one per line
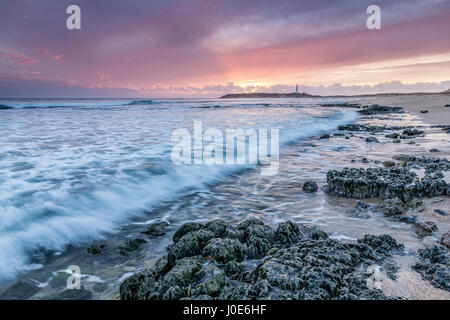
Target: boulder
310 186
392 207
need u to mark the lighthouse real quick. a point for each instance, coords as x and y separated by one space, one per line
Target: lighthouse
296 88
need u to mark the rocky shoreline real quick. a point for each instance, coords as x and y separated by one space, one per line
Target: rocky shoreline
255 261
252 260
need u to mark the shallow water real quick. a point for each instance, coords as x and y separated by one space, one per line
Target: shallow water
100 171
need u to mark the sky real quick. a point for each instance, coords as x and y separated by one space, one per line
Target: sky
207 48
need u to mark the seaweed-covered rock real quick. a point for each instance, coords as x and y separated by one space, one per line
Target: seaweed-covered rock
218 227
19 291
131 246
287 233
96 248
445 240
368 183
156 229
388 164
73 294
259 239
361 127
424 228
191 244
434 266
310 186
224 250
411 133
361 210
430 164
186 228
249 222
233 268
392 207
393 135
377 109
294 263
385 183
372 140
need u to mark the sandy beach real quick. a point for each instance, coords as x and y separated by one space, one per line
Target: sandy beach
437 113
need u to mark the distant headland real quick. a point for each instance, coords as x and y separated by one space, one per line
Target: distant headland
306 95
268 95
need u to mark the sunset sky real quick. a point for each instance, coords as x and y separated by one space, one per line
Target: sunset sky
206 48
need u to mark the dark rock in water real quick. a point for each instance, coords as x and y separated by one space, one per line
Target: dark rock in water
156 229
424 228
372 140
407 219
361 210
19 291
412 133
441 212
73 294
342 105
224 250
360 127
434 150
388 164
325 136
369 183
310 186
411 142
365 160
430 164
416 203
302 263
447 105
385 183
393 135
186 228
96 248
376 109
423 111
434 266
131 246
445 240
392 207
396 140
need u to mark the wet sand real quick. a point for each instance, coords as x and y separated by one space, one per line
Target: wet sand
437 114
409 284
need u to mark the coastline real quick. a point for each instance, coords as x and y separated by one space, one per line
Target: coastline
408 283
437 113
404 282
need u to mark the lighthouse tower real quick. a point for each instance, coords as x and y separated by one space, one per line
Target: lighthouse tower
296 88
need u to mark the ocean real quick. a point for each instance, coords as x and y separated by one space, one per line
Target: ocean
78 171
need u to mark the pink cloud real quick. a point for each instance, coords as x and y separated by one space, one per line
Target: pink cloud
19 58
